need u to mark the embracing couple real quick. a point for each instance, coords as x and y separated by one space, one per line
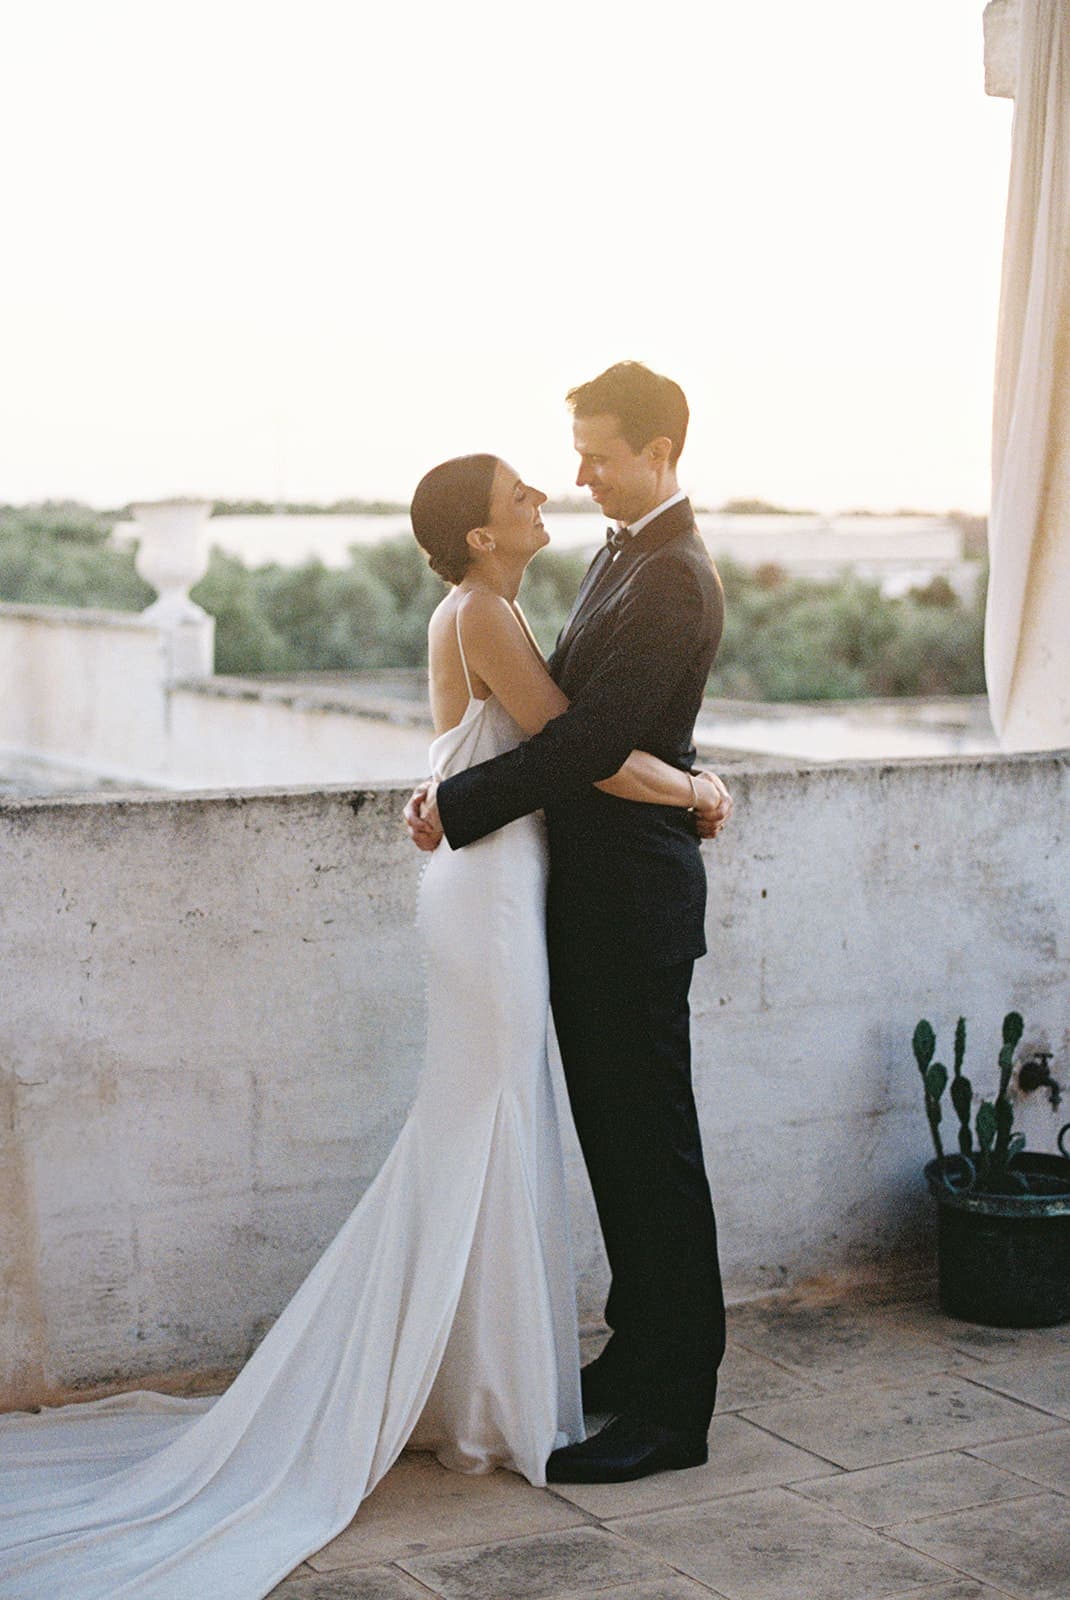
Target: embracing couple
443 1314
600 740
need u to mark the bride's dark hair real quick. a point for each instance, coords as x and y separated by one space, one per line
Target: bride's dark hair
449 502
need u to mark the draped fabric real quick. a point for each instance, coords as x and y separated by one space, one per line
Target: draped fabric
1027 625
442 1316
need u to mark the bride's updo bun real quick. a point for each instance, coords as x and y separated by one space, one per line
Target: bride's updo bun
449 502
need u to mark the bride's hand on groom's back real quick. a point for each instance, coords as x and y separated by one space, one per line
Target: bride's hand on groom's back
421 817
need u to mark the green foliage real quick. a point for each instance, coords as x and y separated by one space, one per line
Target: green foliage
330 620
262 508
785 638
245 640
401 567
933 1078
997 1144
962 1090
935 1084
962 1099
924 1045
547 593
1004 1125
986 1130
795 639
936 1081
1013 1027
57 555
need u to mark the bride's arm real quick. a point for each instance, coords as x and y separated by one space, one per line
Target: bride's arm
500 647
526 625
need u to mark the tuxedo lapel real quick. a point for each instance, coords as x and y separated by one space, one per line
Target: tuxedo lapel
614 576
604 577
602 560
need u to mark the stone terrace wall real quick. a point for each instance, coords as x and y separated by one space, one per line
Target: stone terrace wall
212 1019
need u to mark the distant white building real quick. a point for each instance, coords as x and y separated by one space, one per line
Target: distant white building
899 553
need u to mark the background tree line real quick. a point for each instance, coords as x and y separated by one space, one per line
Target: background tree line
786 638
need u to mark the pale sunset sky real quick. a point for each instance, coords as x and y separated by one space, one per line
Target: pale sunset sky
309 249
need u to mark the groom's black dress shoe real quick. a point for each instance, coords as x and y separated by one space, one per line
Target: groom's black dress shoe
626 1448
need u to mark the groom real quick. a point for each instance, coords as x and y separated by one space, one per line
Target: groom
625 921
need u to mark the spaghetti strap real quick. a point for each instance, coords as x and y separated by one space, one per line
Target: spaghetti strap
460 647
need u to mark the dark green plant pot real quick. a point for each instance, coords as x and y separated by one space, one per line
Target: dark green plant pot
1004 1259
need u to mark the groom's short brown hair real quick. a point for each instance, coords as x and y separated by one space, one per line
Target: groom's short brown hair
646 405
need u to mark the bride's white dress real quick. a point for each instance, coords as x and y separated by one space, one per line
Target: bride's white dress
442 1316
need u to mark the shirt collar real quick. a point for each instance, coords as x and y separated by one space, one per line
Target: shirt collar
640 524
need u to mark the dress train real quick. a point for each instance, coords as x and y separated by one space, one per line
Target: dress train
442 1315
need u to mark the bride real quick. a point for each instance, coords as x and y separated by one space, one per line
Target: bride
443 1314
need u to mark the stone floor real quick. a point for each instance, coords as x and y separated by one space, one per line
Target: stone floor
859 1452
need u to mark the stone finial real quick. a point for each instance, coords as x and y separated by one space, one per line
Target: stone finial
172 555
1002 19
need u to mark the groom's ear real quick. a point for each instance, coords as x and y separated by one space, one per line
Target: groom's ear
659 449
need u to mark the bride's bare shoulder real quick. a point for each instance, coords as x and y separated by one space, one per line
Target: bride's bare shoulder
444 617
485 614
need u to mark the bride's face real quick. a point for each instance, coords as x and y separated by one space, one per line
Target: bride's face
514 521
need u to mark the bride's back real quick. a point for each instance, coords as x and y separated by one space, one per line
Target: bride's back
452 685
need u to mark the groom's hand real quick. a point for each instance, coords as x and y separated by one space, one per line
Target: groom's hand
422 818
714 807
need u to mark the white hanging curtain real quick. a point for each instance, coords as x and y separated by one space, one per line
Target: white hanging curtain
1027 626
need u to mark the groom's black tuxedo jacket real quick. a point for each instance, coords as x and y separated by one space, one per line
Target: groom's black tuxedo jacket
633 659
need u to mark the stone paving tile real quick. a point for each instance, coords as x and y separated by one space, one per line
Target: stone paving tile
420 1506
770 1545
1032 1343
654 1589
1044 1382
370 1583
981 1343
905 1491
828 1343
580 1561
922 1417
1045 1459
748 1379
1022 1546
965 1590
741 1457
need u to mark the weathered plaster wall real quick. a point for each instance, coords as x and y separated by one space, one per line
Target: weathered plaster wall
211 1027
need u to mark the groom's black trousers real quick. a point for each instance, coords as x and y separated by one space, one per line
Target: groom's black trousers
622 1024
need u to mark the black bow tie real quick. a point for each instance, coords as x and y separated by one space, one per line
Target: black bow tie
617 538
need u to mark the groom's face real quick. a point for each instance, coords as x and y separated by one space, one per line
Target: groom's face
623 482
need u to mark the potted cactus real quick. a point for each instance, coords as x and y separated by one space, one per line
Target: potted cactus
1003 1212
